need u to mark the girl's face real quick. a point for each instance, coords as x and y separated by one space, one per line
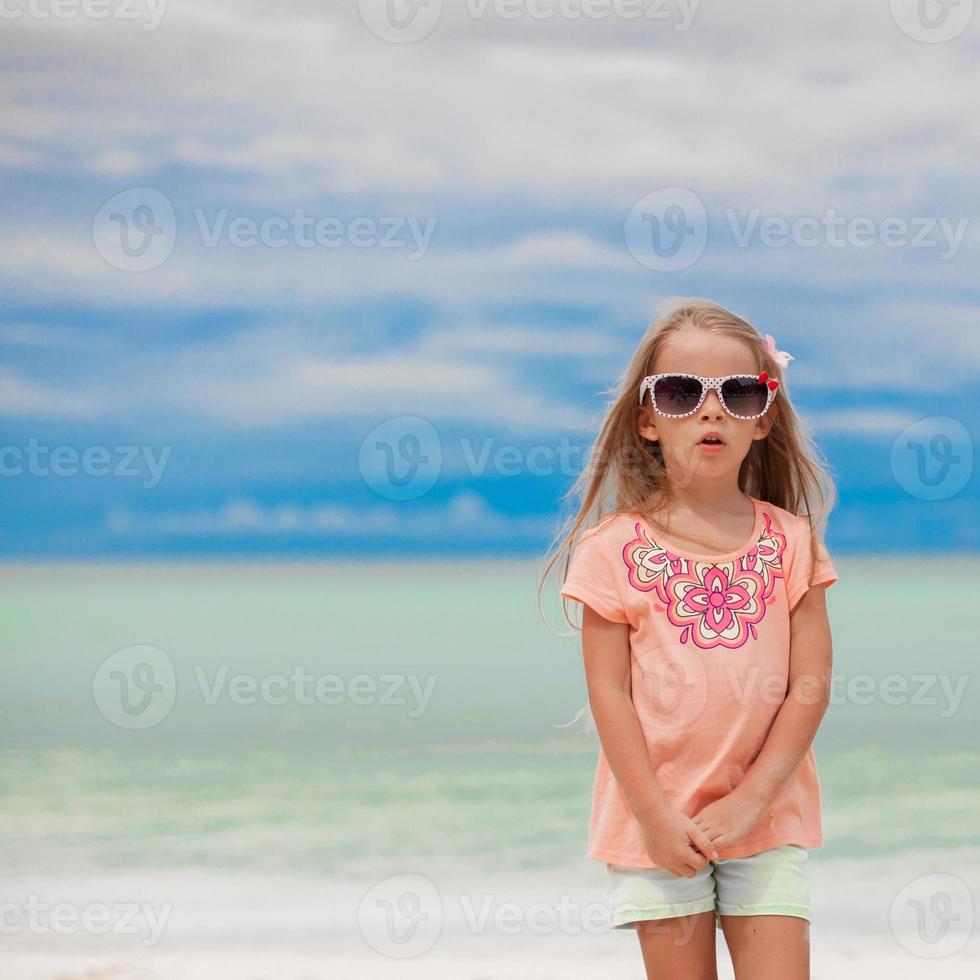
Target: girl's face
685 455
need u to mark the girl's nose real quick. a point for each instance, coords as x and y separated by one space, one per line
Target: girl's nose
711 404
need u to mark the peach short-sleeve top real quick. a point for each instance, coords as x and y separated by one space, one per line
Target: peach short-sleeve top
709 653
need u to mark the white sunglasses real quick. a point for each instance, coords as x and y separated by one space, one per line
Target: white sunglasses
743 396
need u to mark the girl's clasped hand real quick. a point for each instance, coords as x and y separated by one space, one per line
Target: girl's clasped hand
685 844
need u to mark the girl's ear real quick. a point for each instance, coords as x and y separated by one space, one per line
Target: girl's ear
645 424
763 426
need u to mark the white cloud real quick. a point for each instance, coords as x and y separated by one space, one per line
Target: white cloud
21 396
47 336
521 341
304 99
894 345
279 374
757 105
565 269
17 157
860 421
467 512
118 163
292 387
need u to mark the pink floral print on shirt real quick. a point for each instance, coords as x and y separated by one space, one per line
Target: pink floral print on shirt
714 604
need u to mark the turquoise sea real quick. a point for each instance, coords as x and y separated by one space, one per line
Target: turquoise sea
340 723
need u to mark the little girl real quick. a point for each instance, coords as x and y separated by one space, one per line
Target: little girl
707 647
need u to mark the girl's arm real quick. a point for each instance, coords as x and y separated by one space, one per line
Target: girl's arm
606 651
807 699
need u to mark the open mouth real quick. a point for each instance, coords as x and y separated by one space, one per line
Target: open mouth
711 441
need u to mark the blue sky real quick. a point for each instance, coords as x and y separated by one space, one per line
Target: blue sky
348 255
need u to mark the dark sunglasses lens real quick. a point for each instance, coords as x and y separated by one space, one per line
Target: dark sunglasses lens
677 396
744 397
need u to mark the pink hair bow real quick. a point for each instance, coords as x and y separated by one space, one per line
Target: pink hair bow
781 357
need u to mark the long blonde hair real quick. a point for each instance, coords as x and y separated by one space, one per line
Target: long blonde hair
626 472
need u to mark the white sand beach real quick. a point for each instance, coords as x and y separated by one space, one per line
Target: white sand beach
515 926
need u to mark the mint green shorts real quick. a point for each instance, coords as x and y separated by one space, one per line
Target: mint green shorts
773 882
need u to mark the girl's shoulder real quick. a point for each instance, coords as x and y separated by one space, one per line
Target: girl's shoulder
794 536
784 520
610 524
